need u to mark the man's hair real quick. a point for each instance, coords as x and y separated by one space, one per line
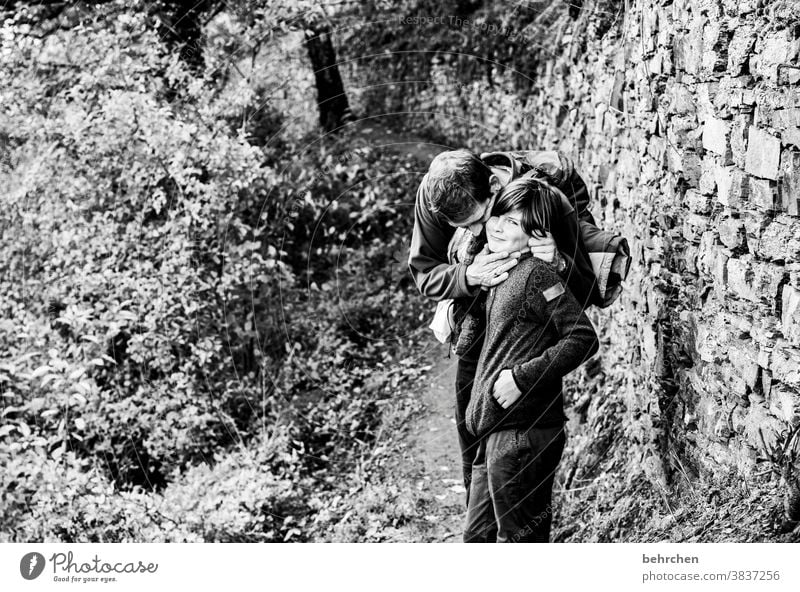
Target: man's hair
456 182
534 198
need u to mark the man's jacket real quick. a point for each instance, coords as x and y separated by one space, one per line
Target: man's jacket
597 261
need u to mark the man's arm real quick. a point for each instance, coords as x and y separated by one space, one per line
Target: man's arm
428 257
553 302
429 264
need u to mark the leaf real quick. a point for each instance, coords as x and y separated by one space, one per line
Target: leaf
83 387
41 371
56 454
47 379
49 412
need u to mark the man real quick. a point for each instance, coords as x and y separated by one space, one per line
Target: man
459 191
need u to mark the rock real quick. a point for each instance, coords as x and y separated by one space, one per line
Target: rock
789 182
774 49
715 138
688 49
788 75
791 136
738 138
763 154
731 233
697 202
715 46
780 241
785 404
790 314
764 194
752 280
708 183
693 227
739 7
740 48
732 186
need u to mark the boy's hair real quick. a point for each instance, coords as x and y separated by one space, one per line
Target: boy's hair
534 198
457 181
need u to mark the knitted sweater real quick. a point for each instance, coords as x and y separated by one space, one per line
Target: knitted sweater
538 330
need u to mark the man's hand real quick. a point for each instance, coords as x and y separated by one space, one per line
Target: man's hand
489 269
544 248
505 389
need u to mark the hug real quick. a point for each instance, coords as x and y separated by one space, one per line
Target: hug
505 243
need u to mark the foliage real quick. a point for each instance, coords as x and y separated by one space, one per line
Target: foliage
202 331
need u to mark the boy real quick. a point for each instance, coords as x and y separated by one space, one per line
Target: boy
536 332
458 191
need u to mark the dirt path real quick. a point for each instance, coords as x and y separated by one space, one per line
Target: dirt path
430 465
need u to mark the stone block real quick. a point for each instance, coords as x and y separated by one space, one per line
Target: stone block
788 75
763 154
693 227
791 136
780 240
772 50
684 132
691 167
785 363
740 125
715 137
708 182
740 48
721 273
789 182
790 314
762 425
754 281
743 355
755 221
739 7
715 47
731 233
732 186
697 202
785 404
688 50
763 194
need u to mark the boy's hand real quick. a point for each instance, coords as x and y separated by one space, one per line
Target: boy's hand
505 389
489 269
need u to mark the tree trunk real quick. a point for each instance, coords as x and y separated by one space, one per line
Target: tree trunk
184 29
334 110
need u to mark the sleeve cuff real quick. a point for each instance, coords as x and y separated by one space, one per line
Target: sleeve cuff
465 288
517 381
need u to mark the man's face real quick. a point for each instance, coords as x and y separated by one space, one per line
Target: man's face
475 221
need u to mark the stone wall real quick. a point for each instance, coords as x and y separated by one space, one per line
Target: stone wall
684 118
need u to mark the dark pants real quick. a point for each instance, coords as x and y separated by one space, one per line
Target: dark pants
510 498
465 374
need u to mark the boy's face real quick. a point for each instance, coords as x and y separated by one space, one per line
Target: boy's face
505 232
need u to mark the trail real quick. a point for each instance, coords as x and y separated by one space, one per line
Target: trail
431 463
